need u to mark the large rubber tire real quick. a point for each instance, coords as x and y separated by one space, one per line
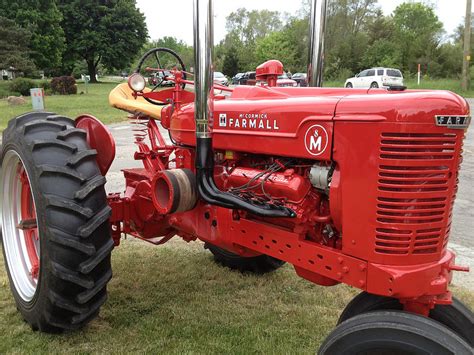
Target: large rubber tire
455 316
72 221
261 264
393 332
374 85
349 86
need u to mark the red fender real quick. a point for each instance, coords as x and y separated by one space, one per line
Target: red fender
100 139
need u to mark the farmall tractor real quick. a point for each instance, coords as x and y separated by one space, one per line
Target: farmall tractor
349 186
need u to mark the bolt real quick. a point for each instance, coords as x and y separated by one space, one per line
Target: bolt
339 276
340 260
362 267
345 269
361 283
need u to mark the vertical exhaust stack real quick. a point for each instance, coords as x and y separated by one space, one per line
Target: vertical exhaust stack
203 116
203 49
317 27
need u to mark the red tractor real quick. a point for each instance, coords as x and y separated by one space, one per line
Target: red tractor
349 186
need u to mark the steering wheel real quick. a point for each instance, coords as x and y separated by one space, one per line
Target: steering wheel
162 61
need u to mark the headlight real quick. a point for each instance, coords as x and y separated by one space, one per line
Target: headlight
137 82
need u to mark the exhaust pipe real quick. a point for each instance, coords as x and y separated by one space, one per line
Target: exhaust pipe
203 116
317 27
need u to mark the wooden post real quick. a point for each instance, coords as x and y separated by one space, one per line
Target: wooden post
467 47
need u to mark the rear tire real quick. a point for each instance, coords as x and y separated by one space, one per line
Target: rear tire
349 86
374 85
393 332
71 222
455 316
261 264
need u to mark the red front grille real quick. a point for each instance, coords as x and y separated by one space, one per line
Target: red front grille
415 192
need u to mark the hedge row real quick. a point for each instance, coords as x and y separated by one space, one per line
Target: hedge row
63 85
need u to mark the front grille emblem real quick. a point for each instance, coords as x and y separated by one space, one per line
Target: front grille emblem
456 122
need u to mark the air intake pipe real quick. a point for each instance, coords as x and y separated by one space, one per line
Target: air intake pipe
317 27
203 115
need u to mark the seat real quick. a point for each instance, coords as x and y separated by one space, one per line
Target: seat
121 97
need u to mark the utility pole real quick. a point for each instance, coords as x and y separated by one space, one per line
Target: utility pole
467 47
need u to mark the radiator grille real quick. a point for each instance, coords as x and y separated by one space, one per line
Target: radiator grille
415 195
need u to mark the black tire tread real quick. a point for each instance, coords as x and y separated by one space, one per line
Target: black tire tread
396 321
78 262
78 158
456 316
89 187
68 240
261 264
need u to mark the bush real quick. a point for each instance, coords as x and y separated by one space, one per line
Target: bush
45 84
64 85
22 86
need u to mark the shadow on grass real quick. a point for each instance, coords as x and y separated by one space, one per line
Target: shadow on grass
175 299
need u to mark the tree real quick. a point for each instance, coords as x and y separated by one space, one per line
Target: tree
110 32
42 19
276 46
14 47
230 66
245 28
417 34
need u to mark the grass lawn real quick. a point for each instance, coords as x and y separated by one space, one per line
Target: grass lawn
95 102
175 299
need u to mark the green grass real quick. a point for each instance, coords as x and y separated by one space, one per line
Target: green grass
175 299
95 102
436 84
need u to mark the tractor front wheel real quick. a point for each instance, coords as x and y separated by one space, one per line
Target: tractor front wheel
393 332
261 264
54 220
455 316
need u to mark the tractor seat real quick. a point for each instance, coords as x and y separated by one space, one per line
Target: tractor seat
121 97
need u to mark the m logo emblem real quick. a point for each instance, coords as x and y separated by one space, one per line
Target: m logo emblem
316 140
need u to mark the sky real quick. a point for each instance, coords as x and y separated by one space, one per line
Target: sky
175 18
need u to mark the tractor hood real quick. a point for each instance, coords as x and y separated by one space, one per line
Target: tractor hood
300 122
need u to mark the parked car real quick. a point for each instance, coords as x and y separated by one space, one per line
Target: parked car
284 80
220 79
162 77
376 78
249 78
300 78
236 78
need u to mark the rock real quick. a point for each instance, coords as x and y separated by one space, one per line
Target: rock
16 100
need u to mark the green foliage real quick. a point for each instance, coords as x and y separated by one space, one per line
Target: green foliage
245 28
276 46
381 53
111 32
417 35
22 86
41 19
230 66
64 85
14 42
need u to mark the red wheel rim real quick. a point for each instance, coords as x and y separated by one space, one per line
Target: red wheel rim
21 238
29 224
